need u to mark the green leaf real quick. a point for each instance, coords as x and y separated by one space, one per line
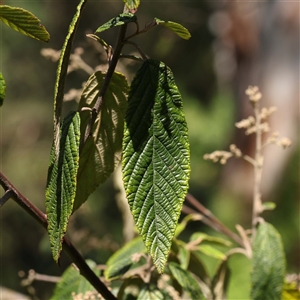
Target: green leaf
175 27
99 40
132 5
183 255
211 251
121 261
2 89
61 73
102 152
268 206
268 265
182 225
197 267
73 284
119 20
203 237
156 159
150 292
220 280
61 182
186 280
291 289
23 21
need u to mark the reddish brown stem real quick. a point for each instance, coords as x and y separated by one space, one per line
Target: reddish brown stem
210 220
73 253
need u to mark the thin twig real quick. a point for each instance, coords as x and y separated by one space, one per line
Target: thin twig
143 55
147 28
33 276
5 197
249 159
257 170
73 253
107 79
213 221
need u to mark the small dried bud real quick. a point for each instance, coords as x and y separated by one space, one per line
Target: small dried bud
235 151
284 143
264 127
215 156
265 112
253 93
251 90
256 97
245 123
273 138
251 130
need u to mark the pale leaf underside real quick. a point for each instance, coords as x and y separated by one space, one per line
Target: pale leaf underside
102 152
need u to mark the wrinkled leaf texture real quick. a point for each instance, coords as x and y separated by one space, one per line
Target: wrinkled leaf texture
2 89
268 264
24 22
156 161
64 156
61 72
72 283
102 152
61 182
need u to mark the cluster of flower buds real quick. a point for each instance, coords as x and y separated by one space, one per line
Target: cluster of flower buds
252 125
253 93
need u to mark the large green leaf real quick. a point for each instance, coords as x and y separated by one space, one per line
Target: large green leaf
23 21
119 20
180 30
102 152
132 5
268 266
186 280
61 182
2 89
156 159
121 261
73 284
61 73
62 176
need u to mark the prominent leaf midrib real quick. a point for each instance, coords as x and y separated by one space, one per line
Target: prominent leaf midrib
155 144
181 158
145 149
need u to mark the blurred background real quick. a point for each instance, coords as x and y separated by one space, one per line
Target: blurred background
233 45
